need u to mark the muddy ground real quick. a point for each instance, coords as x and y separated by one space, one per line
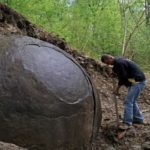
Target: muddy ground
135 138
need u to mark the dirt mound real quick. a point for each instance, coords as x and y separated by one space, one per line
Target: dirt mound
13 23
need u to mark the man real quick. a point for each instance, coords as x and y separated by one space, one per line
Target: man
131 76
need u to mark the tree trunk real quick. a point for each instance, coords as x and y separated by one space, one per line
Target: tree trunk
147 12
124 25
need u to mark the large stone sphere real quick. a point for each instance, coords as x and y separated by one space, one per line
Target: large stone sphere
47 100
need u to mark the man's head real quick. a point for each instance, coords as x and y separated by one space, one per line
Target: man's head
108 59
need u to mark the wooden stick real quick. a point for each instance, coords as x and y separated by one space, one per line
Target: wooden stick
116 104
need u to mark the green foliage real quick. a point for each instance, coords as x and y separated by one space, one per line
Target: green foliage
93 27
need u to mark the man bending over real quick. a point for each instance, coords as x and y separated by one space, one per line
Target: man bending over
130 75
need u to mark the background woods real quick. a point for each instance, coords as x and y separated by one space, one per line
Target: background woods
120 27
93 27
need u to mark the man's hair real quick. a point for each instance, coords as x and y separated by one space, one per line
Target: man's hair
104 57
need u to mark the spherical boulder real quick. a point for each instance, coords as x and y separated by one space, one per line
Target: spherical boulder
46 98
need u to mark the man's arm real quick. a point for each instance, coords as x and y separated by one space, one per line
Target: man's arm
121 71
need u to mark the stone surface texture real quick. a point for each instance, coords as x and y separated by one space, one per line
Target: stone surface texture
46 98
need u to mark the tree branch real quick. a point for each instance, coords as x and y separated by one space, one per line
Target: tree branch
134 29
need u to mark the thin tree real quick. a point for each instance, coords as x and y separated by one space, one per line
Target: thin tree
124 6
147 12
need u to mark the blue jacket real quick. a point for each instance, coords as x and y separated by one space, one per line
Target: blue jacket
127 69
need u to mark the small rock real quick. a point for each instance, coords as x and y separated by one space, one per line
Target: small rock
9 146
136 147
146 145
131 133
